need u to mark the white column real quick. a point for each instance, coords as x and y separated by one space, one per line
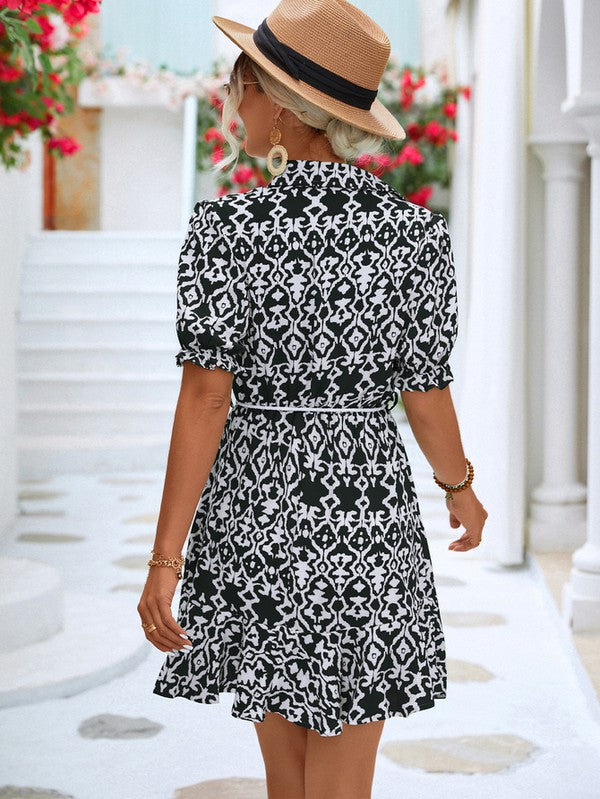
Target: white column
581 596
492 399
557 520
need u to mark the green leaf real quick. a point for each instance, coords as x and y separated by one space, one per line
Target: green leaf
33 25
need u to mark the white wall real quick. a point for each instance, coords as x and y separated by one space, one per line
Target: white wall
20 214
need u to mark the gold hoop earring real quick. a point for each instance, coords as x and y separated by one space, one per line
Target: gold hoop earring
276 150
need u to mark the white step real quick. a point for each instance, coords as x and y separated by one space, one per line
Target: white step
99 247
89 650
97 378
98 357
120 276
57 304
45 456
31 603
70 332
107 389
96 420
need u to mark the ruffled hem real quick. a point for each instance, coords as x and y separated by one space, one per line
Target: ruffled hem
307 678
217 358
302 717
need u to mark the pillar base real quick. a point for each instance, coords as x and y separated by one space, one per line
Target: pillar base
556 528
581 601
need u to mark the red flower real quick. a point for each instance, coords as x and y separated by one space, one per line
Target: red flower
384 160
435 132
420 196
243 174
77 10
413 131
217 154
44 38
411 154
64 144
449 109
362 160
25 7
9 119
465 91
213 133
406 79
9 73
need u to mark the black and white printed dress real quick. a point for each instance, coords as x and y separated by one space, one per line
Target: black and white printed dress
308 588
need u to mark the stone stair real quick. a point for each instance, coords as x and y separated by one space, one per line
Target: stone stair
97 378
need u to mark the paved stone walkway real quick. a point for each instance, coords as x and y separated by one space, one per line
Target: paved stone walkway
517 721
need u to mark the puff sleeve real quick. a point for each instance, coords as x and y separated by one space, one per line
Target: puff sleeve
212 299
429 313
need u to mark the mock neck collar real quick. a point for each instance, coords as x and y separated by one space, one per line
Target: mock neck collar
311 171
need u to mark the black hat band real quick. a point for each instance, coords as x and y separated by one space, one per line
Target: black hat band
302 68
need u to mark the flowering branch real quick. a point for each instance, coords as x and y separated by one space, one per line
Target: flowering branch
38 66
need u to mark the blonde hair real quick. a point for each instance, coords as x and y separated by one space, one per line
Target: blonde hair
346 140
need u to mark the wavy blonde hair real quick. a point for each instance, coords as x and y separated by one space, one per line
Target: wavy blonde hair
346 140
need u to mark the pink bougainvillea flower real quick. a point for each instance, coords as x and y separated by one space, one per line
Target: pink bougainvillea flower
44 39
383 160
449 110
76 11
435 132
362 160
9 73
411 154
420 196
243 174
406 79
217 154
25 7
9 119
413 131
64 144
214 134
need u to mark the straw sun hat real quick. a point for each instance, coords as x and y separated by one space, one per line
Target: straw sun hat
329 52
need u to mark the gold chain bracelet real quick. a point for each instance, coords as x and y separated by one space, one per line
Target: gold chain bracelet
176 562
453 489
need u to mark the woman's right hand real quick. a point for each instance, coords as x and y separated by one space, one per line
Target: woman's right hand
467 510
154 607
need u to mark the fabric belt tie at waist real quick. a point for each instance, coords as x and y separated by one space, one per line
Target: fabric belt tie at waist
335 409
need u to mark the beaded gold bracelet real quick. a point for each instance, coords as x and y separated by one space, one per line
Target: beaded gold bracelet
176 562
452 489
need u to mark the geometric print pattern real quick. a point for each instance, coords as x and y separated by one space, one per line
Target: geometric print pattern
308 587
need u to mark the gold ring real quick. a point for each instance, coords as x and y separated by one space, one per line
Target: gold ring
146 625
151 628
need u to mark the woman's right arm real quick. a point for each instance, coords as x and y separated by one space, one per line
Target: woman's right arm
432 418
200 416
